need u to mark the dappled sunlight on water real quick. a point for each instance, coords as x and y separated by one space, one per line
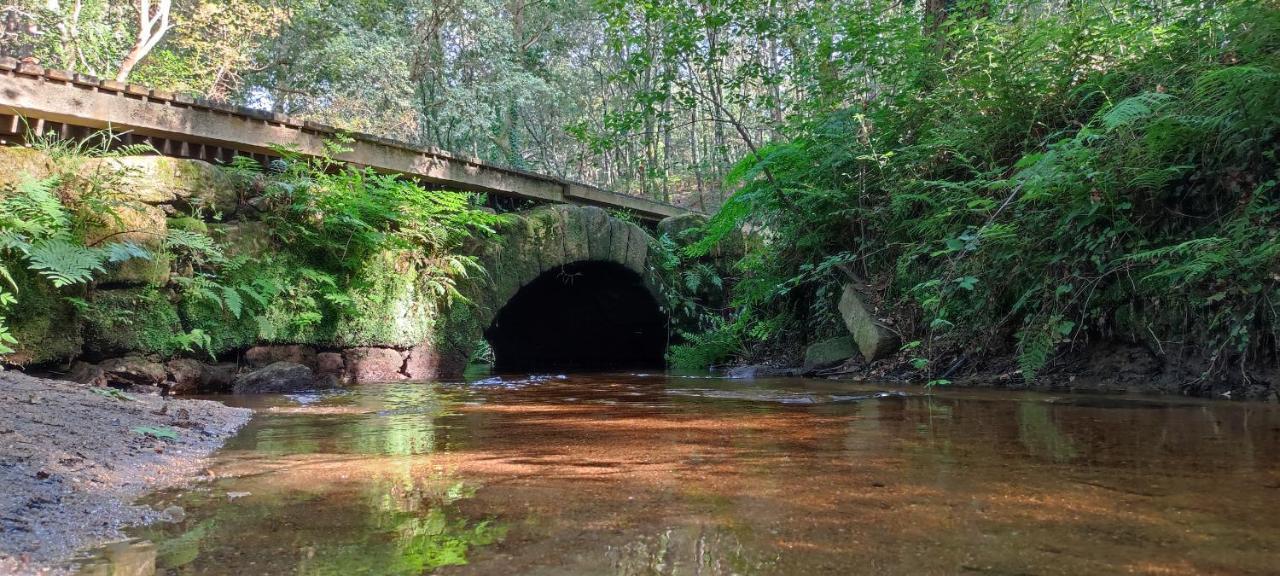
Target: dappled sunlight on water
646 474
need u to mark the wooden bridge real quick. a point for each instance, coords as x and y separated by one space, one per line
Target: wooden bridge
39 100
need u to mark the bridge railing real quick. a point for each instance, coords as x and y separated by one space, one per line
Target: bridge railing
40 100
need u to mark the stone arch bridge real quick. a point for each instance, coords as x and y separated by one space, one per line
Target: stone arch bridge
564 286
566 283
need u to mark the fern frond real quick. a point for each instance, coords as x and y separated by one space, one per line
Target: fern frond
65 263
1134 109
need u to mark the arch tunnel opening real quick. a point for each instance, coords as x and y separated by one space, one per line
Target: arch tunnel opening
583 316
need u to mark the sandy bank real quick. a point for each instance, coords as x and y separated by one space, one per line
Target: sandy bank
74 458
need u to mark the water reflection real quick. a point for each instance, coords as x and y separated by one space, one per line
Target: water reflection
636 474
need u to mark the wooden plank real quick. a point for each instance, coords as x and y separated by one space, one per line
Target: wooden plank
224 130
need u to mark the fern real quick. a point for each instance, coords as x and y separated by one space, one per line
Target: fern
65 263
1135 109
117 252
193 245
34 210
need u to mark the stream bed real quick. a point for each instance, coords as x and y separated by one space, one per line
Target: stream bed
654 474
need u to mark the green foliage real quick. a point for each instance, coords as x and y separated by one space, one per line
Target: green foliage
710 347
113 393
1050 176
45 235
337 218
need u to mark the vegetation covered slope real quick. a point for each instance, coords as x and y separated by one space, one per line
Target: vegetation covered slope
1029 179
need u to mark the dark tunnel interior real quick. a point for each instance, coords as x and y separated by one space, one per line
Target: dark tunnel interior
582 316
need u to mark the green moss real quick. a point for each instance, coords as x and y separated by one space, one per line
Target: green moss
459 330
226 332
131 320
43 321
389 306
189 224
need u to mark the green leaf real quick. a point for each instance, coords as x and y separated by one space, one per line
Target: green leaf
65 263
158 432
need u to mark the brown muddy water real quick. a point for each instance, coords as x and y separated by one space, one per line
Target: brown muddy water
634 474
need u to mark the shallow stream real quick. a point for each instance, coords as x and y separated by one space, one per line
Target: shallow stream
653 474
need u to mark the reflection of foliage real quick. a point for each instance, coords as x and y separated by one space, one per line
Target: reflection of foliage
435 540
399 517
1040 435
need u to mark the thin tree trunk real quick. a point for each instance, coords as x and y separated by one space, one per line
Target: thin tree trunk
151 30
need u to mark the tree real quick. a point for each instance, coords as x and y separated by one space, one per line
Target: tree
153 24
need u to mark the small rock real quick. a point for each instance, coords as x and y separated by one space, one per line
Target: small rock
173 514
234 495
86 373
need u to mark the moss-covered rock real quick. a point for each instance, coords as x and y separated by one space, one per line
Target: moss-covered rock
681 228
828 353
43 321
189 224
227 332
128 320
17 164
191 185
390 305
874 340
251 239
144 225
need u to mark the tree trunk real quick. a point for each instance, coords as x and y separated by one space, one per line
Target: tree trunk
151 29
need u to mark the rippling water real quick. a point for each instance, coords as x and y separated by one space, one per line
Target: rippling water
654 474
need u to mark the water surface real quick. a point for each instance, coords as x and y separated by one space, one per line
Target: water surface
653 474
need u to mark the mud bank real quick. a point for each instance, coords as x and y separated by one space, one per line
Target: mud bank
73 458
1104 368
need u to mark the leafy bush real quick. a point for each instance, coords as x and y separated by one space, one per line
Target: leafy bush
1092 172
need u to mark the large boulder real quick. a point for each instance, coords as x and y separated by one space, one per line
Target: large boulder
277 378
680 227
131 320
371 364
873 339
184 375
141 224
190 185
244 238
390 305
218 377
18 164
44 322
131 371
828 353
422 362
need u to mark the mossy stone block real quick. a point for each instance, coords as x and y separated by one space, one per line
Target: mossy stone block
121 321
43 321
